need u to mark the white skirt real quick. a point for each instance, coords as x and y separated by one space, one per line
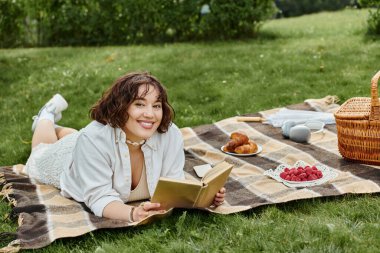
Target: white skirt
47 161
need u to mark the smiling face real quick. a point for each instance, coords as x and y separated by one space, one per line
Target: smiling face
144 114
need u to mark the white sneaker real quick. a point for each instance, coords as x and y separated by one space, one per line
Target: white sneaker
55 105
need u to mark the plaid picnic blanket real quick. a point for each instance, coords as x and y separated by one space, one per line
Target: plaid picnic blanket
44 215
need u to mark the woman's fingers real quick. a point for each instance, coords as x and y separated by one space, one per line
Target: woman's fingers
155 212
146 209
219 197
218 203
150 206
221 193
141 213
219 200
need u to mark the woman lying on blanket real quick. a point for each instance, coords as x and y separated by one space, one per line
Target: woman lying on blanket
119 156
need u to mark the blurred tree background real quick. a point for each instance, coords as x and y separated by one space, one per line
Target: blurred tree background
293 8
374 15
120 22
40 23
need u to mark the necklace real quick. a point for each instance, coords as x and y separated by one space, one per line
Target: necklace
135 143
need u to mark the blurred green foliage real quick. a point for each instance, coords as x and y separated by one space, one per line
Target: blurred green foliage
11 23
374 15
113 22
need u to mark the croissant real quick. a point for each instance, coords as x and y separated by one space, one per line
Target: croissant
237 139
249 148
237 135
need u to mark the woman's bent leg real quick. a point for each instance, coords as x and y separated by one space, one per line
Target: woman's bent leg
43 125
44 133
63 131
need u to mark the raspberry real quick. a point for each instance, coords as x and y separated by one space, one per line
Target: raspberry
309 171
302 175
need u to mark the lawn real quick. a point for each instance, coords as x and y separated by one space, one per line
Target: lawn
294 59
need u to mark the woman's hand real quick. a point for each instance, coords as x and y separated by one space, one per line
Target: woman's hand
146 209
219 197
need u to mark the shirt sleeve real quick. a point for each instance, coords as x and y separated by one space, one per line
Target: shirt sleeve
94 174
174 156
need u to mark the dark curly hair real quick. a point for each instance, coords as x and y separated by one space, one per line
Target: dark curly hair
112 107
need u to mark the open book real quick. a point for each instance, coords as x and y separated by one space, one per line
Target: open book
190 193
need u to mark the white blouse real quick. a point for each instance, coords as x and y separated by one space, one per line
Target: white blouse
100 171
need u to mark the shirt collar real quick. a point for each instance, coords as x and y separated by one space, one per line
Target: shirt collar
119 135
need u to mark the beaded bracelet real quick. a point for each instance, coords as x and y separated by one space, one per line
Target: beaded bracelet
131 214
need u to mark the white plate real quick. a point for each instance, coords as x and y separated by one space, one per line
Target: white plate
301 182
328 174
259 149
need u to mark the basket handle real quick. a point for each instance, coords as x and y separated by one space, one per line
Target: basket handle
375 105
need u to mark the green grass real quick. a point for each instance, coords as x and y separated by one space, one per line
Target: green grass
298 58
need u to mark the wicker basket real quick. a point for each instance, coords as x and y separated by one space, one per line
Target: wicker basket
358 126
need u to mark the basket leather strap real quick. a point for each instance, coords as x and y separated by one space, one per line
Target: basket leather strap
375 105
